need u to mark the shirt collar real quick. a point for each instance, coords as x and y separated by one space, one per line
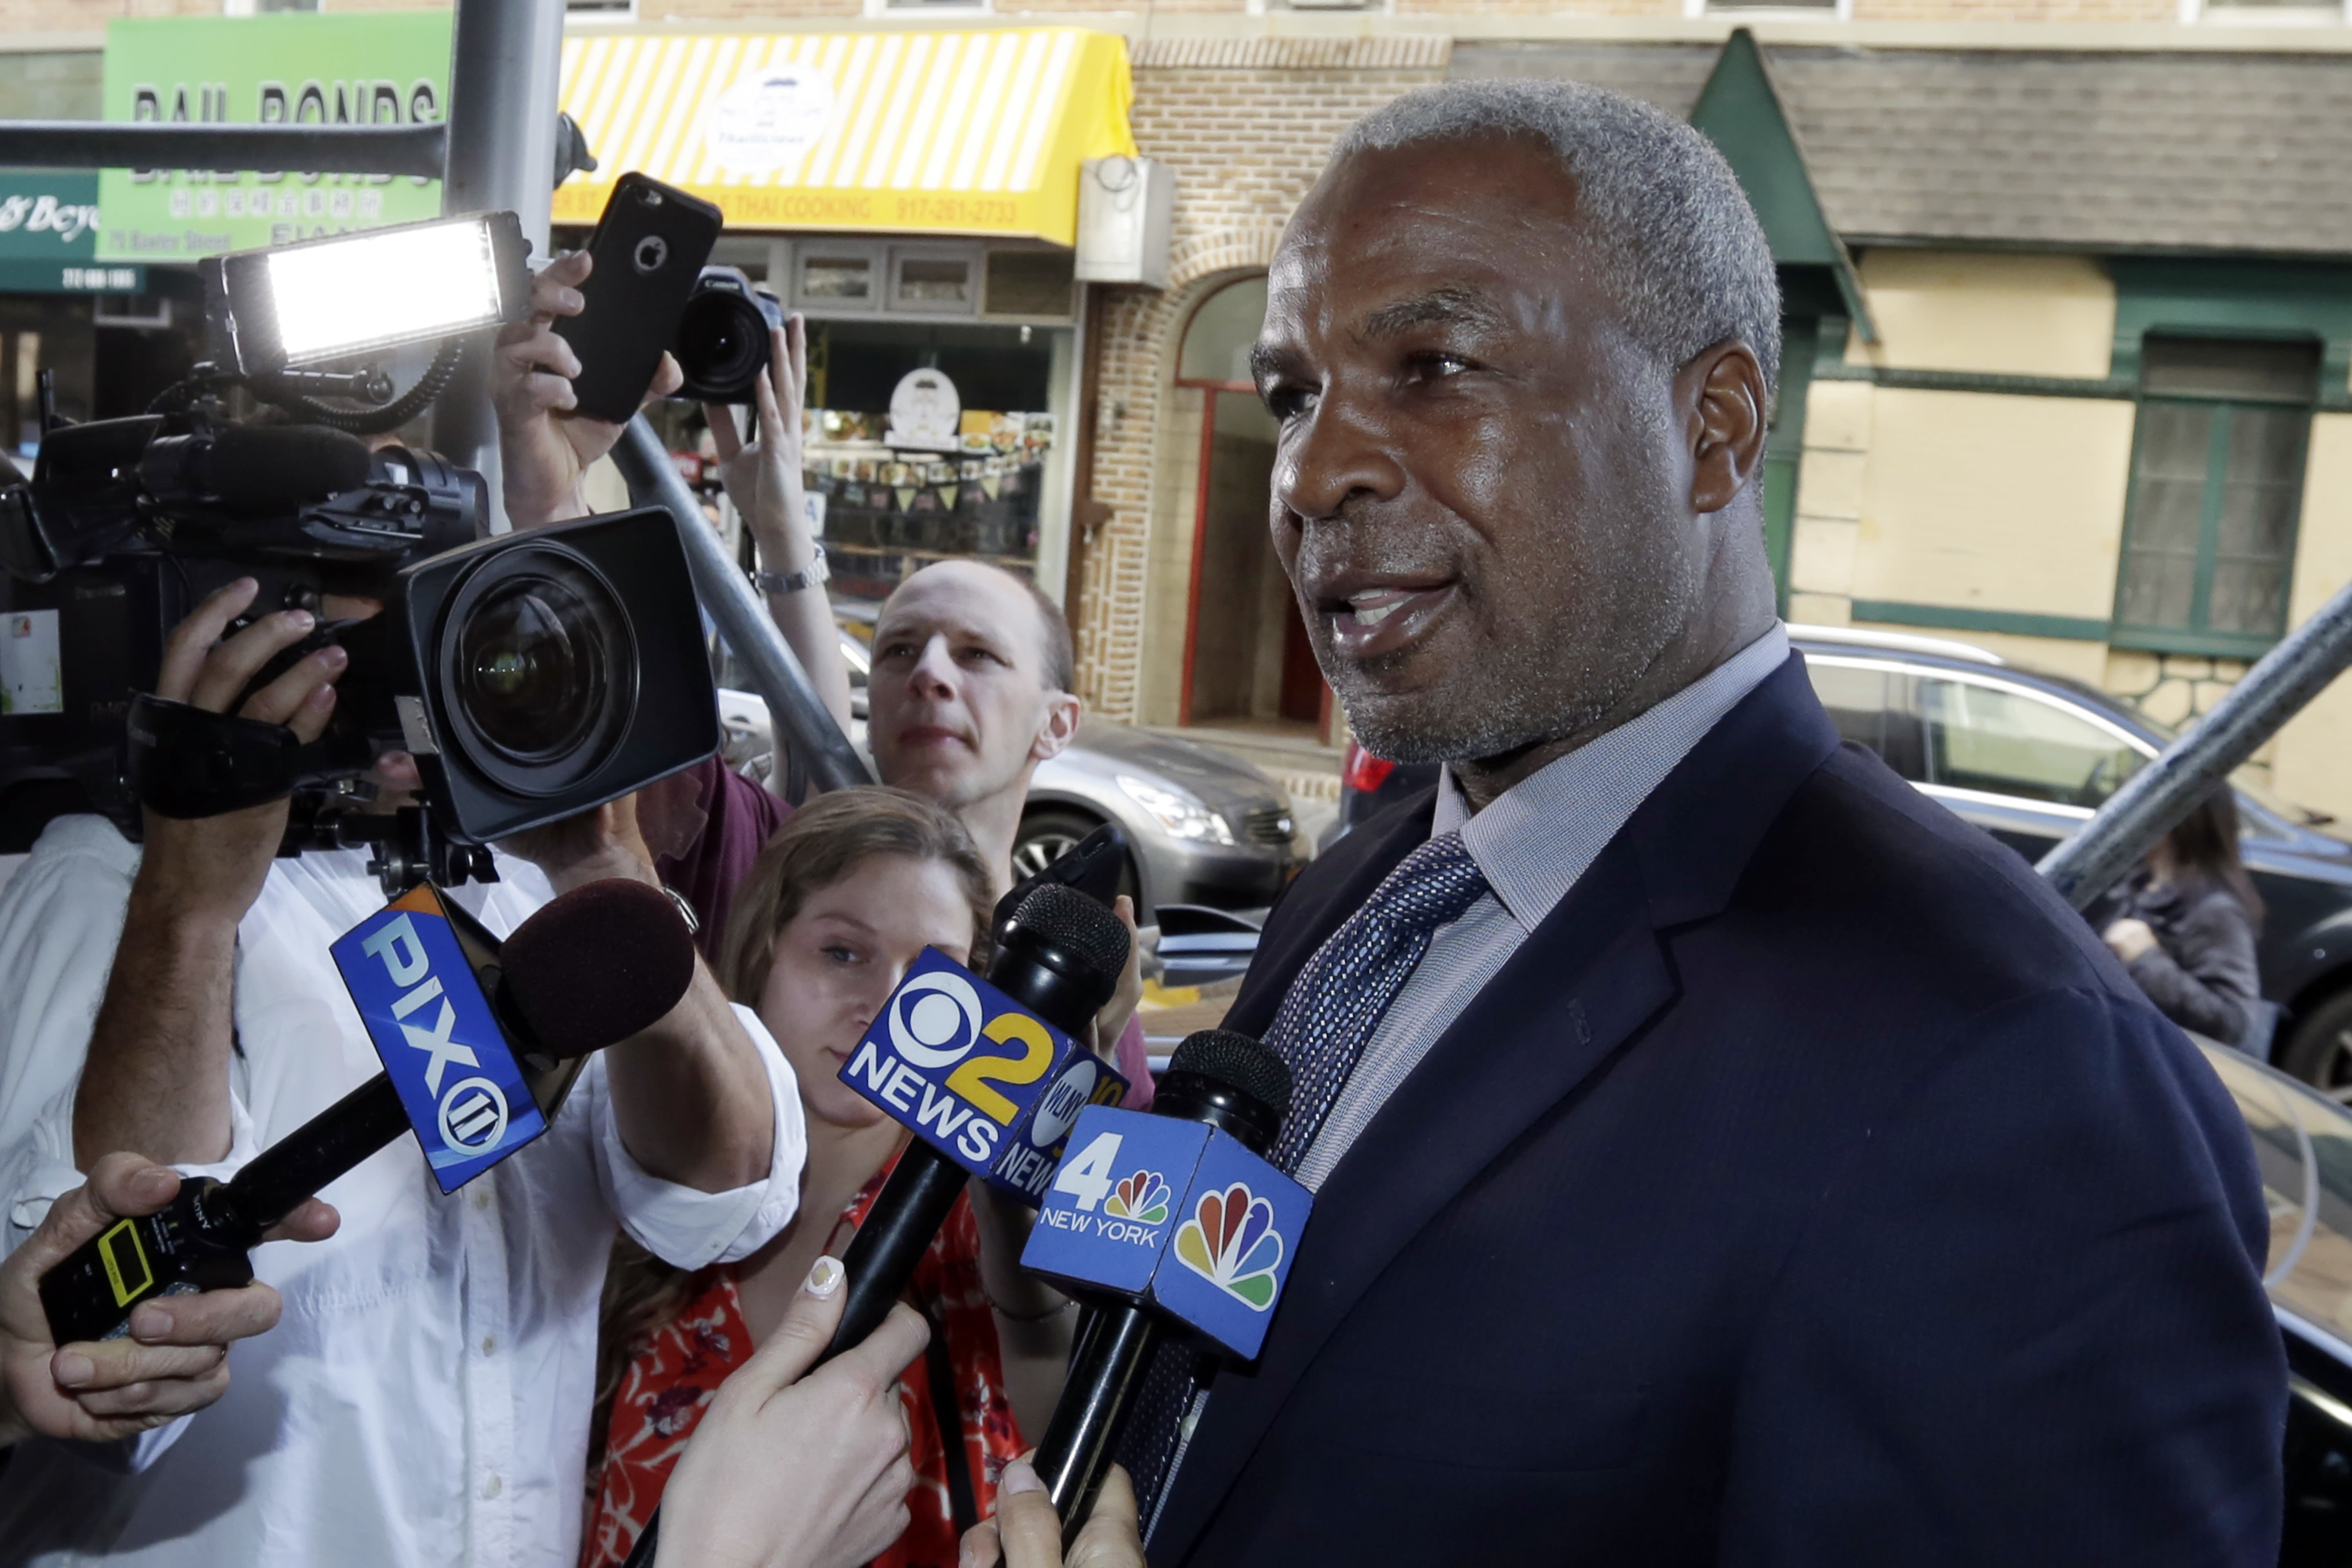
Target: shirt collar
1540 835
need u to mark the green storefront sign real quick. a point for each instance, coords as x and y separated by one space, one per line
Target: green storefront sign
49 237
369 68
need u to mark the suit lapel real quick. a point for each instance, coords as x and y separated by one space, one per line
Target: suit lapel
1584 984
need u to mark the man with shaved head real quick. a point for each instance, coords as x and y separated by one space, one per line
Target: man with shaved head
1721 1154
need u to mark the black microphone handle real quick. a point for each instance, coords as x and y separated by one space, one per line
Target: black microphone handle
906 1216
276 1181
1106 1365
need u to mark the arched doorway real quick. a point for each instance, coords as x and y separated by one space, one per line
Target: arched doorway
1248 662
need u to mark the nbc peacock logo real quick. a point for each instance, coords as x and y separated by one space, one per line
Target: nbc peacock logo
1232 1243
1141 1197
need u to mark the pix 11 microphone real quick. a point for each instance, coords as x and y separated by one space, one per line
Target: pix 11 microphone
1170 1220
593 967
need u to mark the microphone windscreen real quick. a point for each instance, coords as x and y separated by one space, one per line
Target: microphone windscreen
270 468
1231 1057
598 964
1067 918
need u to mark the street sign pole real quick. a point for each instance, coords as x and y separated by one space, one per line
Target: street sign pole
2155 800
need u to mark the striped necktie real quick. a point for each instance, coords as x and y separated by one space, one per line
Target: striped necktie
1334 1008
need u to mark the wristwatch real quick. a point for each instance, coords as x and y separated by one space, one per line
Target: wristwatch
793 582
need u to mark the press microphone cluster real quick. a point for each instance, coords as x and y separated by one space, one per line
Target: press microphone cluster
989 1075
1171 1222
459 1018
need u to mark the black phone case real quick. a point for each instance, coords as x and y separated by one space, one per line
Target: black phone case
649 249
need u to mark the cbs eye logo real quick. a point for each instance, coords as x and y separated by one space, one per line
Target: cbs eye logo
936 1022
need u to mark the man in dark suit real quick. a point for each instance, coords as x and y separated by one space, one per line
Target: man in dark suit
1721 1154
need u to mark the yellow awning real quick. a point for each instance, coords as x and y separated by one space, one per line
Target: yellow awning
946 131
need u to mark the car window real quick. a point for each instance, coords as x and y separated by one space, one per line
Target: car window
1871 706
2303 1147
2007 742
1855 698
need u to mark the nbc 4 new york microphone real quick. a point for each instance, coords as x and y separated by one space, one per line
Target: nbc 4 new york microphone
480 1041
1168 1222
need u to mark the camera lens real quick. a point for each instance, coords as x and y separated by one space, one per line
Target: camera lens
722 344
526 673
539 667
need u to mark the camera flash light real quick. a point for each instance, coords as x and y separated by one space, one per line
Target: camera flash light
356 293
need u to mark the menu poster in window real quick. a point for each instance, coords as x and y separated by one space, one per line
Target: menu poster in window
924 410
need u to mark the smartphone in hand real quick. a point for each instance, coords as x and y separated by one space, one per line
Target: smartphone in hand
649 249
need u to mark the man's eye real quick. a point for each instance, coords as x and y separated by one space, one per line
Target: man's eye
1286 402
974 655
1435 365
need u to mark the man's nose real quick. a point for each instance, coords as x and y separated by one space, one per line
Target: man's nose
935 669
1335 455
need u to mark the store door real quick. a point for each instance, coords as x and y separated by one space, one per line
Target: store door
1247 657
1247 661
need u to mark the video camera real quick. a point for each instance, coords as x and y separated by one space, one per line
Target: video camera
532 676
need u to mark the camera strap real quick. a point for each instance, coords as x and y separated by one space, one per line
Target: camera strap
185 762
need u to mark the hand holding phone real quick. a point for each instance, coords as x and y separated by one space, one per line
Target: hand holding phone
646 257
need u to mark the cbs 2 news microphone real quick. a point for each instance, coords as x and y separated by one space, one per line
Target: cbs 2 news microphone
533 676
988 1077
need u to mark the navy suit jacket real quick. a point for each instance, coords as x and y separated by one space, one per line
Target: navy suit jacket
1811 1188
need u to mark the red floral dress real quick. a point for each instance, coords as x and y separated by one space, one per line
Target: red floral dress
669 1384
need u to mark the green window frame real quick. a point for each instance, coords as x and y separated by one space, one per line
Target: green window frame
2214 505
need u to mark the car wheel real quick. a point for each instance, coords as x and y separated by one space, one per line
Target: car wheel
1046 836
2320 1050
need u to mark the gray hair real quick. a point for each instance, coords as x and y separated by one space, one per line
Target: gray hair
1678 243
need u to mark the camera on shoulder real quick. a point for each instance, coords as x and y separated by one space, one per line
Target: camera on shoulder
531 675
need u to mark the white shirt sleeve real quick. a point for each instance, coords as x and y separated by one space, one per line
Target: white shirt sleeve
683 1227
60 921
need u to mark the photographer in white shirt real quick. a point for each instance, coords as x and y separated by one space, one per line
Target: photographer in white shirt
424 1399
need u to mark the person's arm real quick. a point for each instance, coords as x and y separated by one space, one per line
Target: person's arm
174 1360
763 480
2206 978
2026 1323
545 449
157 1074
795 1468
691 1096
1024 1532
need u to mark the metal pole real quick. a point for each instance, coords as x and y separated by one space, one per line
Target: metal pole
801 719
506 64
2157 797
158 144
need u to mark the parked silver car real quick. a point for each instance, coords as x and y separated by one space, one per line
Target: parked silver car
1202 827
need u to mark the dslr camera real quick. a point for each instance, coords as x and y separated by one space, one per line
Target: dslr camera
532 676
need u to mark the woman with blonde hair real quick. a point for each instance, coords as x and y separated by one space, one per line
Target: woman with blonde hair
845 896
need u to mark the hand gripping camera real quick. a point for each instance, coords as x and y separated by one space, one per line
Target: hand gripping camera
531 675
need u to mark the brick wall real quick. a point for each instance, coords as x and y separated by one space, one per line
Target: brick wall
1246 124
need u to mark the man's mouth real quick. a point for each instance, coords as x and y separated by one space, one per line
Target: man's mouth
919 735
1377 618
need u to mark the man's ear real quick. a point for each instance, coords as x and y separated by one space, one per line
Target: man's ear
1724 389
1060 728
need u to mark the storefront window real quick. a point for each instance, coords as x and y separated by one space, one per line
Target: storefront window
929 441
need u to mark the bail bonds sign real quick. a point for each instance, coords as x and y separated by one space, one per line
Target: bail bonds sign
389 68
